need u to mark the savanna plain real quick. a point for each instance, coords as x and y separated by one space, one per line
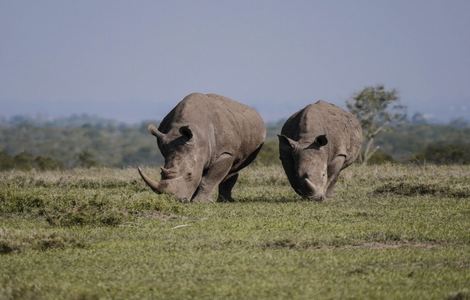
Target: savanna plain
390 232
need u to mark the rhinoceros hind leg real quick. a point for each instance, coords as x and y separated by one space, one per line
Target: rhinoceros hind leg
225 188
213 177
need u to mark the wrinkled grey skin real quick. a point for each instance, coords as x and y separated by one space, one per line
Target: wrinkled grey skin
205 140
315 144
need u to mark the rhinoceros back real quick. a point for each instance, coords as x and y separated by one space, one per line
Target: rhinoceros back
230 126
342 128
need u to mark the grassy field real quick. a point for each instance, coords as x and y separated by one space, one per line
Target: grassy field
394 232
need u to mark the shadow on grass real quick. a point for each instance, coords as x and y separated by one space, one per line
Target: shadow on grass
419 189
272 199
14 242
366 243
460 295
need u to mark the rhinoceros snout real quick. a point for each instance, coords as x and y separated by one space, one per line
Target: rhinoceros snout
313 192
318 198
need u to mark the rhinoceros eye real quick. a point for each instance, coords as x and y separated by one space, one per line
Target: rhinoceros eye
186 132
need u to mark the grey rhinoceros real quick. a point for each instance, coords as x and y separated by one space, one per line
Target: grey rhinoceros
315 144
205 140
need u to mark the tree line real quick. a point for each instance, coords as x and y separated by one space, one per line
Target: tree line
87 141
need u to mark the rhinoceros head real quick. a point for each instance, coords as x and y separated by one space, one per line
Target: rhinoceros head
184 162
305 164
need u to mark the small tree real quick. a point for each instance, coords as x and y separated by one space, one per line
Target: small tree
377 109
86 160
46 163
23 161
6 161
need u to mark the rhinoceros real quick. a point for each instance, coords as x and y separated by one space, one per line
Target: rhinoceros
315 144
205 140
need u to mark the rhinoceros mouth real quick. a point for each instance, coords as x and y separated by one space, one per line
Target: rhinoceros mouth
168 174
312 194
316 198
156 186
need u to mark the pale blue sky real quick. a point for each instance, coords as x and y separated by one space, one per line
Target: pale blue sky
134 60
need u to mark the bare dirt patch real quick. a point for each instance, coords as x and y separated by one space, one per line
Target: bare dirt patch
317 245
402 244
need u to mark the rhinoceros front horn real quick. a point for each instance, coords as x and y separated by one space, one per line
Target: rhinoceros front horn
154 131
154 185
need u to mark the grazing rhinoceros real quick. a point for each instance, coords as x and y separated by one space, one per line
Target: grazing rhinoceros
315 144
205 140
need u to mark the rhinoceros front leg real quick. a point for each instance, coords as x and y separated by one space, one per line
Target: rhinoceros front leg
213 177
226 186
334 168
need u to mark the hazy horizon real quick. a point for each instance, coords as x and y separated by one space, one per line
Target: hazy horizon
132 61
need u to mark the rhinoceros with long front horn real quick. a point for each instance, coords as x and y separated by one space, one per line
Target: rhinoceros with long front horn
205 140
315 144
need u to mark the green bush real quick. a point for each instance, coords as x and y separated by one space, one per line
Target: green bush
6 161
269 154
86 159
444 154
23 161
380 157
26 161
47 163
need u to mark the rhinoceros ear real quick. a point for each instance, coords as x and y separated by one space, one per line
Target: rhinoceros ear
285 141
320 141
154 131
186 132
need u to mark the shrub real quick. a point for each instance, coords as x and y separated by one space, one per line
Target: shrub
47 163
445 154
269 154
26 161
23 161
380 157
6 161
86 159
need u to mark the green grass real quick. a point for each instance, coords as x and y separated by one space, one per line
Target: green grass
395 232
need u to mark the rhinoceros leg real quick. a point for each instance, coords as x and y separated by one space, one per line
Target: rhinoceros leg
213 177
334 168
226 186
